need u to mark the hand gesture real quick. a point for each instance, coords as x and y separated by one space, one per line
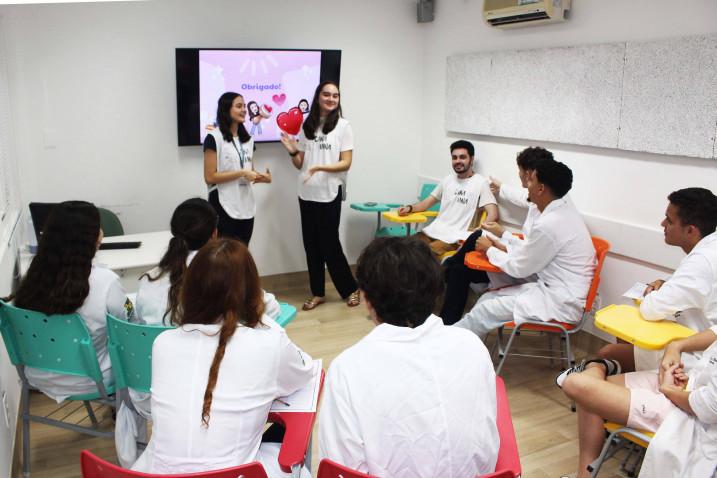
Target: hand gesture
288 142
673 378
653 286
251 175
483 244
312 170
495 185
493 227
671 358
404 210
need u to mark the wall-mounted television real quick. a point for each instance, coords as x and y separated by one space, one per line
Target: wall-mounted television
272 82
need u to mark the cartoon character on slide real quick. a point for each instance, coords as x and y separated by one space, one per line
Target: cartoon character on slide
303 106
256 115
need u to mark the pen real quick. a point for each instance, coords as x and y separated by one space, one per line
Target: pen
282 401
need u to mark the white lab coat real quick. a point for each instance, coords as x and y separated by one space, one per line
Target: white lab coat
413 403
559 250
684 445
151 301
689 297
106 295
259 365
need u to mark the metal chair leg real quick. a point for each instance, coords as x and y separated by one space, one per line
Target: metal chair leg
507 349
594 467
25 430
91 413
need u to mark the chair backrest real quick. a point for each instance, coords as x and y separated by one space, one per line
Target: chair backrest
601 248
287 314
331 469
130 349
508 457
95 467
55 343
110 223
426 190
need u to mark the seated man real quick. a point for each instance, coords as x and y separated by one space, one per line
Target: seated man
458 276
689 297
414 397
685 418
558 249
461 195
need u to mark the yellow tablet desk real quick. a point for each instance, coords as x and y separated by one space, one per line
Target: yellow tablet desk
408 219
626 323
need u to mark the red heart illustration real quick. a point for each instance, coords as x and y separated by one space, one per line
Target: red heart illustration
279 99
290 121
268 108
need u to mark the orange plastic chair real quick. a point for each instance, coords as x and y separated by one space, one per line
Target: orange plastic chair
564 329
507 465
95 467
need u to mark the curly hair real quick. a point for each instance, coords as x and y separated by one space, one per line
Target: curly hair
529 156
401 278
554 174
57 281
696 207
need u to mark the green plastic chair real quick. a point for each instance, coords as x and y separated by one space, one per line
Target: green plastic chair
400 231
287 314
130 349
60 344
110 223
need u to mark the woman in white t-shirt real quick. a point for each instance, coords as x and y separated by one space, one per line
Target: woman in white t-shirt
63 280
323 154
193 224
229 169
215 377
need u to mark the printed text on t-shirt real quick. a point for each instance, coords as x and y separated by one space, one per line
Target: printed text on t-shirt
323 144
461 196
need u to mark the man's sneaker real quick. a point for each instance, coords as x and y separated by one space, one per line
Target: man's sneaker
612 367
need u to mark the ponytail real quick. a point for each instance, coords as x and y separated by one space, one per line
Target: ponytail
229 326
173 262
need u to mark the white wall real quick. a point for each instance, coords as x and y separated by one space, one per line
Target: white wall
623 194
95 92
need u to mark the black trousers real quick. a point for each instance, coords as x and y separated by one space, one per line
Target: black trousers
320 231
458 281
240 229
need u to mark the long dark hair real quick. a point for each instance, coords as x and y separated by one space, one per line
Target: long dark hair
221 286
224 119
192 224
57 281
314 119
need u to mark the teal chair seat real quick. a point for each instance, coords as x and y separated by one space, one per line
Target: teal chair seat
110 223
59 344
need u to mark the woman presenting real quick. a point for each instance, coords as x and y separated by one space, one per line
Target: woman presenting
229 169
323 154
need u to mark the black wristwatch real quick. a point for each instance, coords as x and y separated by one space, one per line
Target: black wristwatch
294 153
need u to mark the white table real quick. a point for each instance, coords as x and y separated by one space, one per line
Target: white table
129 264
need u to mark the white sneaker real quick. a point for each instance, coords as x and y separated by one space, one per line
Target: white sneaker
612 367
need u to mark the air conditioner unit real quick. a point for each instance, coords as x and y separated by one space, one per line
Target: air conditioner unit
520 13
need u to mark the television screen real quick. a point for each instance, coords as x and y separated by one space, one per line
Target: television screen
277 86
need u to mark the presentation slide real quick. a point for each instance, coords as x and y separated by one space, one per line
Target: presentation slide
274 84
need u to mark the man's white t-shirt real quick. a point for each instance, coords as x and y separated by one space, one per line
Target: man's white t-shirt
236 197
323 150
459 200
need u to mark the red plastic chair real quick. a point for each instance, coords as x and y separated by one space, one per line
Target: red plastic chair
508 462
95 467
564 329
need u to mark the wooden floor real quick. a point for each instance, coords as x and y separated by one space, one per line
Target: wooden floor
545 427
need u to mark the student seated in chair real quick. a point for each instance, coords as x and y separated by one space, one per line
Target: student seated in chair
689 296
558 250
193 224
459 276
462 195
683 412
63 280
216 375
414 397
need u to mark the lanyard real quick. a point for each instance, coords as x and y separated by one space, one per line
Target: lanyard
240 152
